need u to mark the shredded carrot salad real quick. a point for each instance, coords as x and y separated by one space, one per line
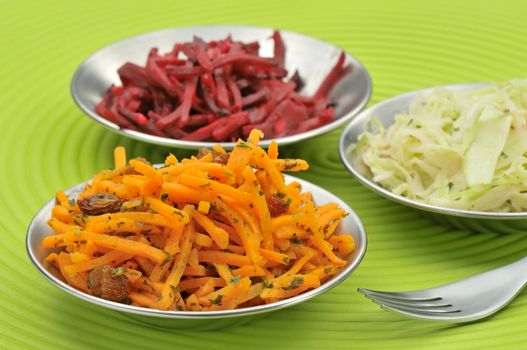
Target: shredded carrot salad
214 232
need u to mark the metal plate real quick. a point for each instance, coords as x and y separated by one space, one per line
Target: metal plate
313 59
385 111
351 224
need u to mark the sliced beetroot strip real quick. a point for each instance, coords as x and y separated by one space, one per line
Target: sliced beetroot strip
309 124
159 76
176 49
140 118
203 133
213 52
222 95
188 50
153 115
251 47
113 115
153 129
183 71
137 118
169 119
279 93
308 101
104 104
243 83
131 73
211 104
256 97
201 56
290 114
116 90
186 103
175 132
169 60
229 125
332 78
267 125
207 83
128 115
258 115
198 119
133 105
279 48
161 103
236 94
243 58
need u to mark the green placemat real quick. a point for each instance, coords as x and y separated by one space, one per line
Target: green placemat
47 144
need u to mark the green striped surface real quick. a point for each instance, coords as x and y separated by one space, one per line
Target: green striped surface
47 144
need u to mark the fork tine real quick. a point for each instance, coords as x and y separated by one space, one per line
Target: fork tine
401 296
439 302
421 313
416 307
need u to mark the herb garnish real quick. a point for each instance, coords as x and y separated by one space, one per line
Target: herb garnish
217 300
295 283
118 271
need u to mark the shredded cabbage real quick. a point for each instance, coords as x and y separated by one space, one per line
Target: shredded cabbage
462 150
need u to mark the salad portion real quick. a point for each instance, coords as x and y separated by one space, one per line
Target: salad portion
216 231
465 150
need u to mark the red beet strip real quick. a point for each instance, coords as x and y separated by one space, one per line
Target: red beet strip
279 49
332 78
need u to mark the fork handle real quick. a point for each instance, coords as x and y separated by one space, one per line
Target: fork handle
518 268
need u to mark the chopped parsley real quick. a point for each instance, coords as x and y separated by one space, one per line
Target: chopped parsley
118 271
178 212
125 234
295 283
290 165
235 279
266 282
217 300
296 240
169 257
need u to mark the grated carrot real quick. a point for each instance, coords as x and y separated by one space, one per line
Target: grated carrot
197 235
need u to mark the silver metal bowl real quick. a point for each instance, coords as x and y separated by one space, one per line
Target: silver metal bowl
313 59
351 224
385 111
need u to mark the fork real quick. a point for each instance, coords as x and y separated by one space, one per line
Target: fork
466 300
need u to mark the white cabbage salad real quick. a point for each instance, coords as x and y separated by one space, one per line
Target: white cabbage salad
463 150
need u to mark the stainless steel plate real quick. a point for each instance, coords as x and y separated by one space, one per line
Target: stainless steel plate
351 225
385 111
313 59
